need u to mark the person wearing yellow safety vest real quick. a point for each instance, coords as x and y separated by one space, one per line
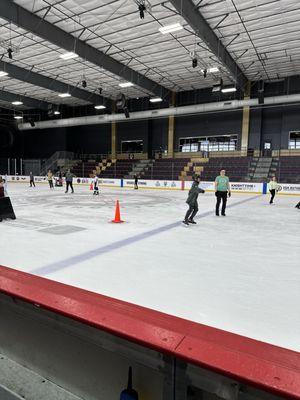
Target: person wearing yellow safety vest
273 188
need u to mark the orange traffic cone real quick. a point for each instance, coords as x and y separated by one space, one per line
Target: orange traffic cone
91 186
117 219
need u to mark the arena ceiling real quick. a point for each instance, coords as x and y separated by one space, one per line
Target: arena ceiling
243 39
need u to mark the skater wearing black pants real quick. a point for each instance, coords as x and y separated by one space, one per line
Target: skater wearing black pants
298 205
192 201
273 188
96 188
136 181
50 179
69 181
222 189
31 179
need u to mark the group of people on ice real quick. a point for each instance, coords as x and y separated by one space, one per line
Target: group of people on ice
222 192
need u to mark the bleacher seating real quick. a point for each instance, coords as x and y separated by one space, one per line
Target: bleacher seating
236 168
119 169
166 169
288 170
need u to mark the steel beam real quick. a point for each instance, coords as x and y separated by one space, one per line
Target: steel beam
202 29
27 101
23 18
25 75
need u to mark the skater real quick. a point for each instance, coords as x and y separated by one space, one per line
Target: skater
298 205
69 181
95 184
273 188
2 194
192 201
50 179
136 181
31 179
222 189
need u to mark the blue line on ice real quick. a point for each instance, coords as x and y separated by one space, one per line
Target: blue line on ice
68 262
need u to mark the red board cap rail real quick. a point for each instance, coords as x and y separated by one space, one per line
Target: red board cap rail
271 368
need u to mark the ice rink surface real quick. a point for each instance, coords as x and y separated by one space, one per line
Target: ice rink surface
240 273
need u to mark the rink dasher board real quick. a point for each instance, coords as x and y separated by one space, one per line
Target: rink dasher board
267 367
236 187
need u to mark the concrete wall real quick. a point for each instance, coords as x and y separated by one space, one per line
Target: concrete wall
272 124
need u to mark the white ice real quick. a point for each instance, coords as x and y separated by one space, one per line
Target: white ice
240 273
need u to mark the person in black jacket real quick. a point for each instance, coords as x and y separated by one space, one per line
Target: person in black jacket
192 201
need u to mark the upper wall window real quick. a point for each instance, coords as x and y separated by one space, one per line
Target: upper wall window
208 143
132 146
294 142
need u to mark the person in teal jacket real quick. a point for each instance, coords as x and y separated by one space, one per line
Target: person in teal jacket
222 189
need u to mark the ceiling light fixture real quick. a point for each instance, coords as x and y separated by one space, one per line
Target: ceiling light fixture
56 112
142 8
64 95
126 84
170 28
18 117
9 52
17 103
3 73
156 100
228 89
194 62
68 56
213 70
100 107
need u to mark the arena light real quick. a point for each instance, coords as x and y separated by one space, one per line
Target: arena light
156 100
213 70
18 117
170 28
228 89
64 95
3 73
56 112
68 56
17 103
100 107
126 84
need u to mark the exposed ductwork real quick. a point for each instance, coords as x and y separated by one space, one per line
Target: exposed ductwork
165 112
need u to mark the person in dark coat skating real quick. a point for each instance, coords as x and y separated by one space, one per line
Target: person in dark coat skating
192 201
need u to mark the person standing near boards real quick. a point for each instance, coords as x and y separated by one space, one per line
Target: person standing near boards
192 201
222 189
273 188
69 181
95 185
136 182
50 179
31 179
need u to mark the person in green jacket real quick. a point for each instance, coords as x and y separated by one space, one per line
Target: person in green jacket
192 201
222 189
273 188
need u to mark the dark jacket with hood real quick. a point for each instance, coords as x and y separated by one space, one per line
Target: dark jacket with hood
193 194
